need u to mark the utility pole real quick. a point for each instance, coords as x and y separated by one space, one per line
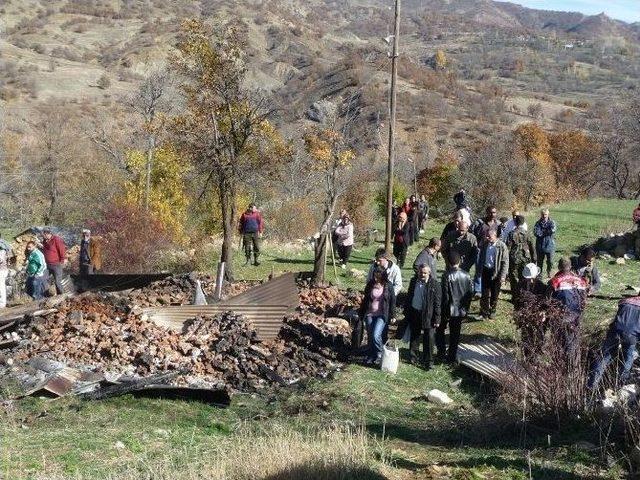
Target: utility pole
392 126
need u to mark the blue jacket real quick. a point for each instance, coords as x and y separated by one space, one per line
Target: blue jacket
544 232
627 321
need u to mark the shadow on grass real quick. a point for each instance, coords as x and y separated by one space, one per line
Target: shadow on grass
327 472
501 463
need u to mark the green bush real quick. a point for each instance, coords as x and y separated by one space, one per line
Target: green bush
400 192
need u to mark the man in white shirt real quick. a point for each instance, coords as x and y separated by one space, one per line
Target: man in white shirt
511 226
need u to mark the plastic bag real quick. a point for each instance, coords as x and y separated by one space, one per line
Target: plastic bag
390 358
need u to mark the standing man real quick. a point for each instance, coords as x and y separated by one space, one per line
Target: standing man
585 266
544 231
510 226
251 227
90 254
55 254
422 311
521 252
492 269
36 268
423 207
464 243
457 292
428 256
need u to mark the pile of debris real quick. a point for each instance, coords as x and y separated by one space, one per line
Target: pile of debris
620 245
106 336
328 301
180 290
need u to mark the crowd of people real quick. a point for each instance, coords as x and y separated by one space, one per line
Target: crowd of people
45 262
480 255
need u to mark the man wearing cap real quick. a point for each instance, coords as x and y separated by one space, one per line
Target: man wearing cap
394 274
251 227
55 254
90 254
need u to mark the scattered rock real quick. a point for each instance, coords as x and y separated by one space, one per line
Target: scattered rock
321 111
456 383
620 261
438 397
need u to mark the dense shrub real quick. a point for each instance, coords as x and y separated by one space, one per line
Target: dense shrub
133 239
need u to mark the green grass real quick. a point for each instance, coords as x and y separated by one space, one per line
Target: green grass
411 438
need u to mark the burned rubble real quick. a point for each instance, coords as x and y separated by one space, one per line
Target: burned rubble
107 334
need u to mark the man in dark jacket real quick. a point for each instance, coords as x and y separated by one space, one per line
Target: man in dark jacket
464 243
625 330
544 231
422 312
251 227
584 265
492 269
457 292
428 256
55 254
423 209
521 252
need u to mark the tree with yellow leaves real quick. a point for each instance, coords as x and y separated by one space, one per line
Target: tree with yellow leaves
440 60
160 189
537 168
224 129
331 157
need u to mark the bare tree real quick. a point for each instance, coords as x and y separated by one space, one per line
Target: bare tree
151 102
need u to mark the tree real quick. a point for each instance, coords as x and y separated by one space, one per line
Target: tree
161 191
440 60
536 171
224 129
440 181
150 102
575 157
330 156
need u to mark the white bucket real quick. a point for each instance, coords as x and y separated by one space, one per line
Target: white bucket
390 359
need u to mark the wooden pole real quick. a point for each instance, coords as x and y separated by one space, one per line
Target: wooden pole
219 279
333 259
392 127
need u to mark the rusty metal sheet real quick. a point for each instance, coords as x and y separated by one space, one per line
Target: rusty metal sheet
63 382
281 290
487 357
267 319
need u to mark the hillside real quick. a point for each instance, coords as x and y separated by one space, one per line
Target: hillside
502 58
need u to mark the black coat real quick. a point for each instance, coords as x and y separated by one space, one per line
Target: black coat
388 301
432 300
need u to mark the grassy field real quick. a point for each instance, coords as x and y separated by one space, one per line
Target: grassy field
359 424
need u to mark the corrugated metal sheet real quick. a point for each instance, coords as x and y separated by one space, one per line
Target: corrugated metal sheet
281 290
265 306
267 319
487 357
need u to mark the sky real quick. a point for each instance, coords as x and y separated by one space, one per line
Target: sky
626 10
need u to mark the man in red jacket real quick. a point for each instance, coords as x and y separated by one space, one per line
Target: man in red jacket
251 227
55 253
